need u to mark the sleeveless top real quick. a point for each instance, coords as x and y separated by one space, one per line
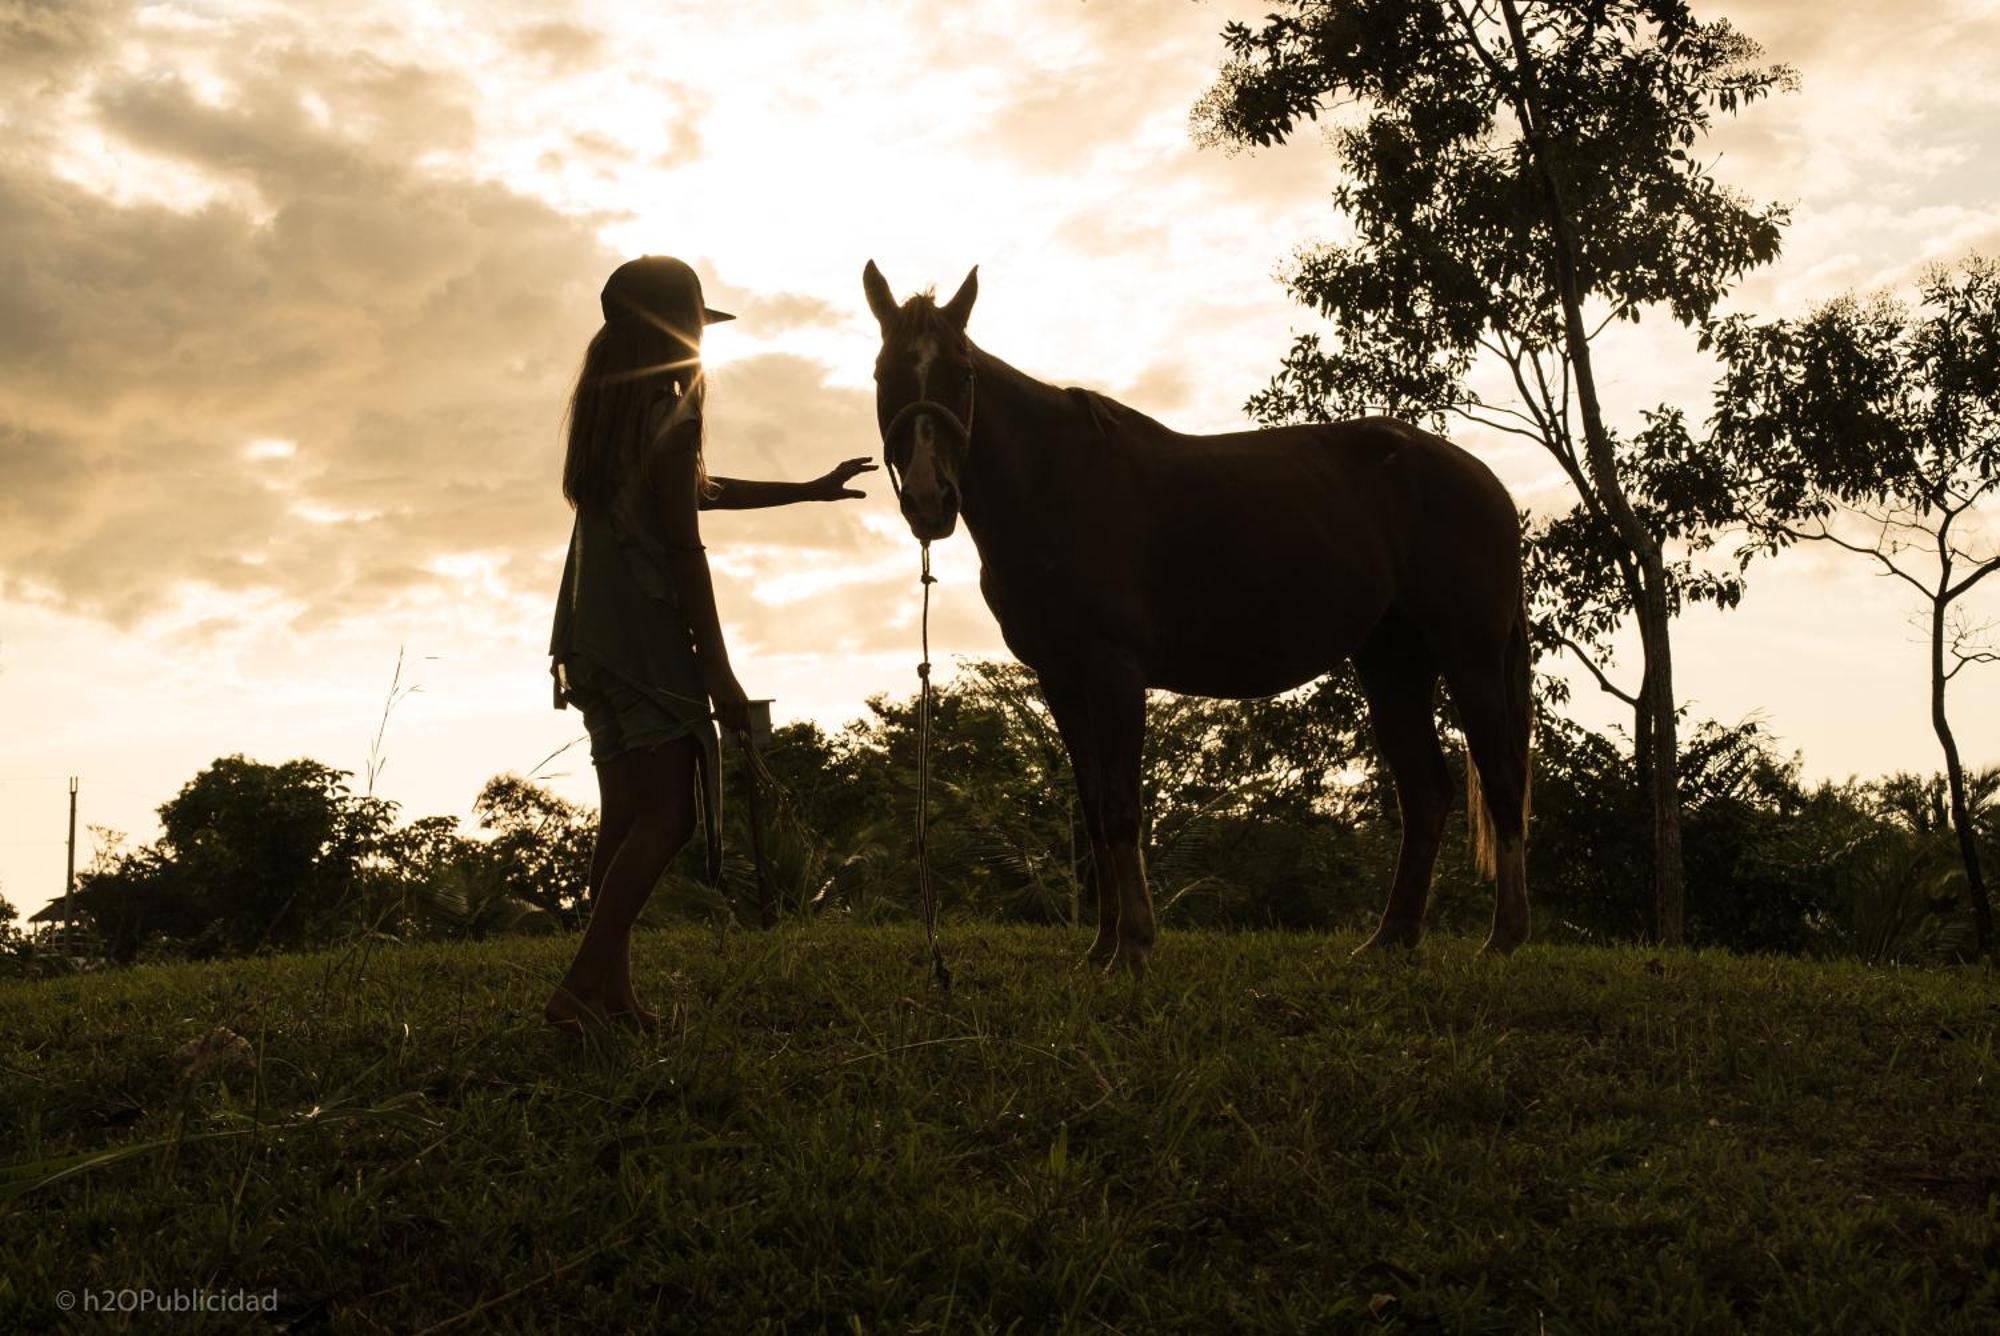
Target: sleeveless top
618 607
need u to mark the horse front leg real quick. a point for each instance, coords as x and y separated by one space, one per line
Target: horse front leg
1117 697
1069 703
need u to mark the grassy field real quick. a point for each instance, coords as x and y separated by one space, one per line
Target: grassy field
1263 1135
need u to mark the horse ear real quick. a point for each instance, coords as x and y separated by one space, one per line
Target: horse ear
880 300
959 308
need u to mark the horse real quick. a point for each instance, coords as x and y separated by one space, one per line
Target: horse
1119 555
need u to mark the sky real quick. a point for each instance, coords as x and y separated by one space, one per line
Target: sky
291 295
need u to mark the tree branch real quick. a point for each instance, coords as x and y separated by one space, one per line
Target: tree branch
1559 409
1944 552
1825 535
1991 564
1977 656
1529 433
1604 682
1486 57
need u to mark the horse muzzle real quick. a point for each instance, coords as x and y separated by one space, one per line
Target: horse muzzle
931 517
927 489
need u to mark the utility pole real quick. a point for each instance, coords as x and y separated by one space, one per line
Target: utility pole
69 881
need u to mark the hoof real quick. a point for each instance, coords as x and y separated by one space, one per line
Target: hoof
1101 951
1391 937
1502 941
1130 958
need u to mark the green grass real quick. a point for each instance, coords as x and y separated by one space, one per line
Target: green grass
1264 1135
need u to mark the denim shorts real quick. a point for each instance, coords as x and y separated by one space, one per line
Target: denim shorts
618 716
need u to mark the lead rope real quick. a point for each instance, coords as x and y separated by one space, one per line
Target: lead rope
760 775
939 970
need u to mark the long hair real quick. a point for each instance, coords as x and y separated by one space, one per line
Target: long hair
631 364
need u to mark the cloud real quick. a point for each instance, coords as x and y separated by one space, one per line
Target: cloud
1061 120
46 45
408 335
772 313
411 332
344 265
559 47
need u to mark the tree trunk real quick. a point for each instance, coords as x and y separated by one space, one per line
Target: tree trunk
1669 885
1642 742
1954 772
1663 780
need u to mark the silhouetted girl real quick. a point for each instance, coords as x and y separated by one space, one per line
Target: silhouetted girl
637 645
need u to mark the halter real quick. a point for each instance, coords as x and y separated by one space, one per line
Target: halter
961 429
940 972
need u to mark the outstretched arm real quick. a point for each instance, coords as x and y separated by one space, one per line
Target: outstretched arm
749 494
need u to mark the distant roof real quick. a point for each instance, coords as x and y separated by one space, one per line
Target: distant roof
52 912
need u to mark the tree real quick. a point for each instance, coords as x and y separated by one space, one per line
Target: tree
252 856
540 849
10 928
1518 174
274 851
1877 430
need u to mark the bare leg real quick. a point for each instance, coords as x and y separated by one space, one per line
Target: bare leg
656 787
617 811
1401 684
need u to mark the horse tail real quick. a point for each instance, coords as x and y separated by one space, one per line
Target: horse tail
1520 712
1485 842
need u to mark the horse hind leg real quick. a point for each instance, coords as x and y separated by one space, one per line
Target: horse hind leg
1400 681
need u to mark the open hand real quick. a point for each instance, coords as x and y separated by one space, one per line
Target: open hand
832 485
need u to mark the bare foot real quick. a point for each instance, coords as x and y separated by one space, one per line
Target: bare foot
574 1013
621 1002
627 1011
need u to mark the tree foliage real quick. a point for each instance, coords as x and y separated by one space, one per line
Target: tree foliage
1451 246
538 847
271 853
1270 813
1876 429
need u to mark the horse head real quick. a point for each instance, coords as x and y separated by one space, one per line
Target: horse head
923 399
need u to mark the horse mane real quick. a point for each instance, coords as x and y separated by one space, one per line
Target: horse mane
920 314
1111 415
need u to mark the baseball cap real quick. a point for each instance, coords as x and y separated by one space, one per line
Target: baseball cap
655 283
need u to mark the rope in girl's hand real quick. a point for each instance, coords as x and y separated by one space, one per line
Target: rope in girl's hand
760 775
